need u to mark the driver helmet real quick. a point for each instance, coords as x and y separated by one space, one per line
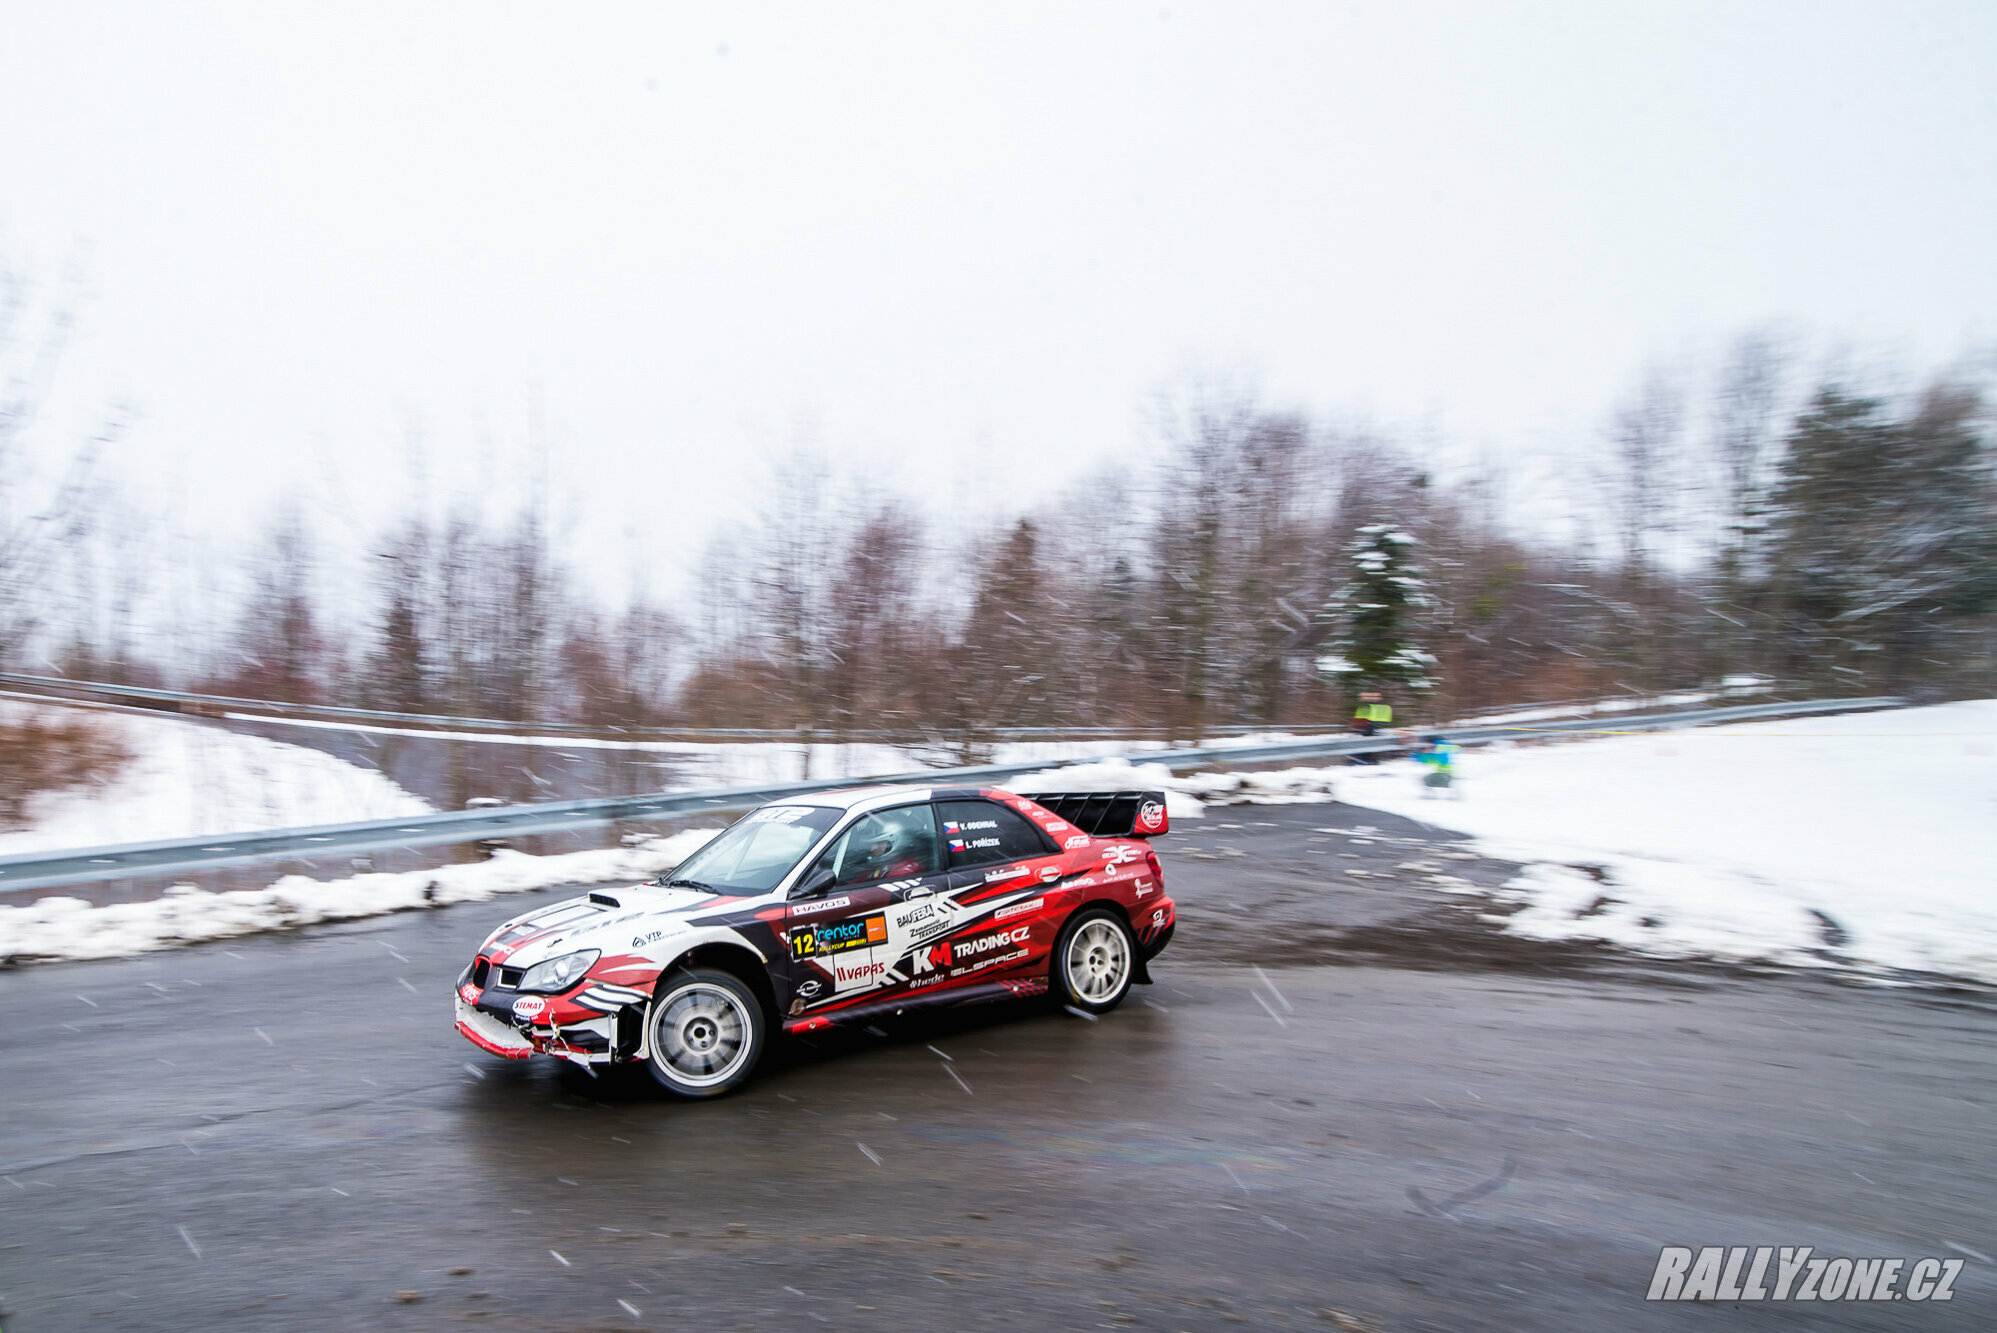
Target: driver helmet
877 847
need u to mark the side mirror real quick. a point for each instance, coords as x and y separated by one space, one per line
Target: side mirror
817 882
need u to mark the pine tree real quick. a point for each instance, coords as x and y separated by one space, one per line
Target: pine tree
1370 644
1882 534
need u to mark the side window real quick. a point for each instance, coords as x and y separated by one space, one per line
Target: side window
981 832
887 844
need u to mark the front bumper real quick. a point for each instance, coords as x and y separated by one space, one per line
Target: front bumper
491 1019
490 1035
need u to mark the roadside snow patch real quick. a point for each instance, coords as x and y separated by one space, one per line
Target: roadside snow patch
1111 775
63 928
188 779
1866 841
1185 797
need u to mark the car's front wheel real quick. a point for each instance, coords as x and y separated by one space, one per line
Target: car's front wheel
706 1033
1094 961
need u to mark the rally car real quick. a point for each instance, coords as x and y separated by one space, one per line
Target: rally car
834 908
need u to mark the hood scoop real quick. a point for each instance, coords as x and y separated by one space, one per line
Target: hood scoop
604 900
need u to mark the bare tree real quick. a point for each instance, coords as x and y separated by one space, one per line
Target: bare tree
45 514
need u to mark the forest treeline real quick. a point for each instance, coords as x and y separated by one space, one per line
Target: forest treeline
1739 518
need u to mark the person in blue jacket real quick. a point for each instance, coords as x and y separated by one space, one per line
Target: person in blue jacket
1437 758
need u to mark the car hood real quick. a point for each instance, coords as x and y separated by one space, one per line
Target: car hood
609 920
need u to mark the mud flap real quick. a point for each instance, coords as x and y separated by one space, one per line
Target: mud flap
1143 977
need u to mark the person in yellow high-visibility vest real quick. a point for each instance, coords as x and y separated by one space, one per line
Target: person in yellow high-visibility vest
1368 717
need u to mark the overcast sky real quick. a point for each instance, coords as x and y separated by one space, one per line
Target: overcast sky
663 238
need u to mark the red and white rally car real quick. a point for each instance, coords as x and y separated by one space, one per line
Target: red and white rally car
827 909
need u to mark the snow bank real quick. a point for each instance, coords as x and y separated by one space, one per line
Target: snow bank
70 928
187 779
1185 797
1866 841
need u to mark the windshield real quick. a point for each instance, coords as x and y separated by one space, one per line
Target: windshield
756 851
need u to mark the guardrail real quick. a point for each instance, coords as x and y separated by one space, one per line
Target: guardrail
189 704
39 870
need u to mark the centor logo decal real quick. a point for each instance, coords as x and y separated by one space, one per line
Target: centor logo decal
837 936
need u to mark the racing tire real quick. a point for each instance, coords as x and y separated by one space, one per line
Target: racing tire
1094 963
704 1032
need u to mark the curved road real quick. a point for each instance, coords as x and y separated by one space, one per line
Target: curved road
1347 1103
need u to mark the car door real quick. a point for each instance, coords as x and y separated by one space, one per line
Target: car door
998 862
846 937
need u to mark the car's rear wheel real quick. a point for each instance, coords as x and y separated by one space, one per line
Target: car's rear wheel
706 1033
1094 961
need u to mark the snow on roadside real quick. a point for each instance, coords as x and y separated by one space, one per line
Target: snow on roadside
1185 797
1866 841
63 928
187 779
1863 842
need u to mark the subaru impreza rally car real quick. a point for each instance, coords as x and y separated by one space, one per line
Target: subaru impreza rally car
832 908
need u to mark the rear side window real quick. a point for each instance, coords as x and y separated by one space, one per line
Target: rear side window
979 832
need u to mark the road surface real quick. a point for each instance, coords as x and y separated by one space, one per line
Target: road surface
1347 1103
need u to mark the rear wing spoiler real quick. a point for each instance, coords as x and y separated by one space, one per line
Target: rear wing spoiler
1108 814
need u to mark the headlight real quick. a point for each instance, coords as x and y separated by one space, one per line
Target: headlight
558 974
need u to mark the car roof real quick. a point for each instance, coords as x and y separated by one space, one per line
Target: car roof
858 798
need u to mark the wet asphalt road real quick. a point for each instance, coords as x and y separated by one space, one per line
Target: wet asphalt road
1401 1121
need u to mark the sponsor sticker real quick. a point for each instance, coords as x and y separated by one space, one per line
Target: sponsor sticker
993 961
1795 1273
1151 815
928 960
1079 840
822 905
777 814
1016 909
858 973
983 944
469 993
837 936
529 1006
912 916
1119 855
808 988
